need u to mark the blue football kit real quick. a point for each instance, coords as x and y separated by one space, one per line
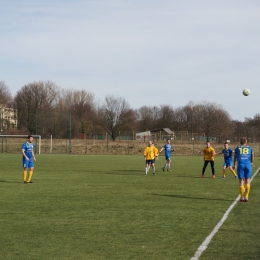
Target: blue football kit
28 150
227 157
167 151
243 155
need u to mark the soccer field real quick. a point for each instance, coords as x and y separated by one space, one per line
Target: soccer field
103 207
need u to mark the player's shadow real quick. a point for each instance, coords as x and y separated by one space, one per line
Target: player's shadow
189 176
10 181
122 172
188 197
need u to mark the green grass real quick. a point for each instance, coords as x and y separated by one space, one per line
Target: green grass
103 207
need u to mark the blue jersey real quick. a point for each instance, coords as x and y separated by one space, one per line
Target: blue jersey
227 154
243 154
167 150
28 150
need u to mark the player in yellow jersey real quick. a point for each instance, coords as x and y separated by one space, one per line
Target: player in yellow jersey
150 153
156 150
156 153
209 154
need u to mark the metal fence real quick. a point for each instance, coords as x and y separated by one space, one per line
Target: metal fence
94 146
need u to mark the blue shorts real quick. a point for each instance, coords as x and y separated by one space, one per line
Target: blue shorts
244 171
167 157
28 164
150 161
227 163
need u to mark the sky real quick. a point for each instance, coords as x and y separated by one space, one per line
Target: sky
149 52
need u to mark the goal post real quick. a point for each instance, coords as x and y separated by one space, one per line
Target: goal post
6 137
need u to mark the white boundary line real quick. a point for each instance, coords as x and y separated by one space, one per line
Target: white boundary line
206 242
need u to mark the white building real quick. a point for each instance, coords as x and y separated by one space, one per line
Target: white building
142 135
8 117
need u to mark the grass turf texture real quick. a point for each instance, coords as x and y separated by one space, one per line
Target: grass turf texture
103 207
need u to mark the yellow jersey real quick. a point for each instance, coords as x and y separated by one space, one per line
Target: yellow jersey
209 154
150 152
156 151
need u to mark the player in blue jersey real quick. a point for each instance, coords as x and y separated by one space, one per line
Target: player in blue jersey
167 152
28 159
243 159
228 161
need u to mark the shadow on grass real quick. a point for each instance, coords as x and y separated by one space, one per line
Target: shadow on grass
197 177
138 172
189 176
11 181
123 172
188 197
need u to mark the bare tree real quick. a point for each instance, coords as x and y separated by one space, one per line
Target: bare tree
179 120
203 118
190 116
6 98
145 118
80 104
256 127
212 119
165 118
35 103
251 128
115 116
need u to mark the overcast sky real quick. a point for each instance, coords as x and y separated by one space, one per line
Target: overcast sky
149 52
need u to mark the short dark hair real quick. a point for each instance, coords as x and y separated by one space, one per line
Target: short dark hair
226 143
29 136
243 140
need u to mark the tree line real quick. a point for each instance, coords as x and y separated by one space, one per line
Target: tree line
44 108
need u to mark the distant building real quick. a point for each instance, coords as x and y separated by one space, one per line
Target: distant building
163 134
156 134
143 135
8 117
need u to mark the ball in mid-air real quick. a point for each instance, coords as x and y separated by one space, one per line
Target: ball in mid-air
246 92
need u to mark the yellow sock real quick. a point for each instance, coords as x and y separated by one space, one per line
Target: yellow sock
241 191
30 176
247 190
233 171
224 172
24 175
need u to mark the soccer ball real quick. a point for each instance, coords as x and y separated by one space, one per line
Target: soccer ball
246 92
